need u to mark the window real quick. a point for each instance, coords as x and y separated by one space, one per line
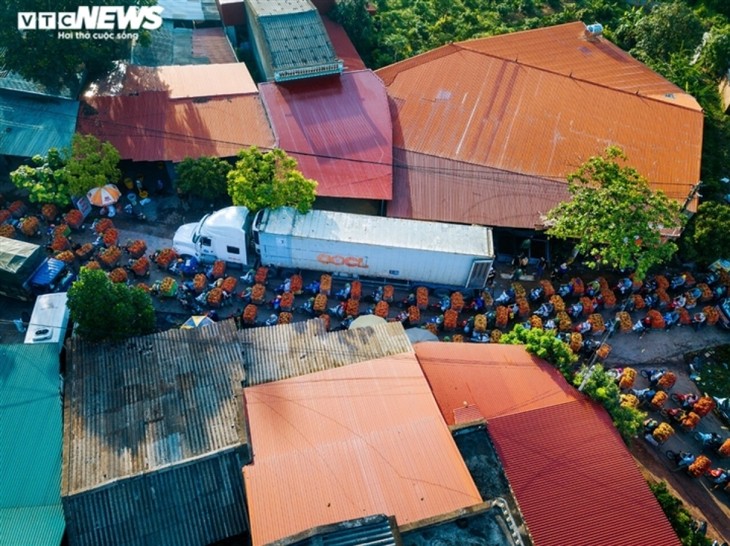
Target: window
233 250
205 241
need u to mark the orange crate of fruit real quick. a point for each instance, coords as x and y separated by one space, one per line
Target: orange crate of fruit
287 301
261 274
258 294
381 309
422 298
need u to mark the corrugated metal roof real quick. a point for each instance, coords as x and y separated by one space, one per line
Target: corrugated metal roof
12 81
344 49
300 348
180 46
359 440
31 125
501 380
396 233
572 476
149 402
180 81
153 127
190 504
340 128
463 192
30 445
575 481
368 531
540 103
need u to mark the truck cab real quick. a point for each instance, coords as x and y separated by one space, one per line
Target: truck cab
220 235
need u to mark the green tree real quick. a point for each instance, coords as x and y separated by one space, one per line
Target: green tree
40 56
678 516
602 387
354 17
44 179
91 164
269 180
670 27
107 311
205 177
543 344
707 237
614 216
715 55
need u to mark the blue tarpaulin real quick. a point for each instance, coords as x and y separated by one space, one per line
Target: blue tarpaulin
47 273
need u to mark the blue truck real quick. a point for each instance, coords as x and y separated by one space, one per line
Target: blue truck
26 271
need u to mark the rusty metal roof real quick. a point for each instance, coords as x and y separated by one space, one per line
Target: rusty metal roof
539 103
572 476
153 127
344 49
150 402
502 380
300 348
349 442
181 81
338 130
212 44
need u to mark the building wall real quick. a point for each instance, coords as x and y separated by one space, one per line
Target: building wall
189 504
258 45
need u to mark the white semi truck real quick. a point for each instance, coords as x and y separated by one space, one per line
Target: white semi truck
354 245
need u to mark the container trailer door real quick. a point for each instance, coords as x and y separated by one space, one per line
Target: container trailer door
478 274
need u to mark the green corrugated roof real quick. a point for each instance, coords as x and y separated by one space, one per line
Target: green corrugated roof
31 440
32 125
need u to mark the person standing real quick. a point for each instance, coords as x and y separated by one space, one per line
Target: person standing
541 265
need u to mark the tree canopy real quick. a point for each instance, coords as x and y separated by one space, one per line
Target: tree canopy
40 56
707 237
204 177
544 344
44 179
614 216
269 180
91 164
107 311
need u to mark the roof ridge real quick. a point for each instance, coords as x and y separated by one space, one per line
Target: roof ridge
460 46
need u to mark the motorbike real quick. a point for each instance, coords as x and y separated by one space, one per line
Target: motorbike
583 327
709 440
344 292
641 327
575 310
719 292
624 286
477 337
189 303
506 297
545 310
685 401
312 288
681 458
565 290
185 268
536 294
644 395
272 320
550 325
589 346
593 289
337 311
248 278
653 375
670 319
284 287
677 281
719 477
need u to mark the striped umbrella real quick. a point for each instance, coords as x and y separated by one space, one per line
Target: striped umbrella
103 196
197 321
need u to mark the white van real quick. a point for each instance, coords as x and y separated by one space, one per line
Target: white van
49 320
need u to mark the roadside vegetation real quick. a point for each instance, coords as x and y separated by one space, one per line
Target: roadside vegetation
678 516
598 384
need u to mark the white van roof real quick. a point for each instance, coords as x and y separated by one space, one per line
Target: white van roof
49 320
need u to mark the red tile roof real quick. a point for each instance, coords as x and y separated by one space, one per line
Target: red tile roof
350 442
573 478
152 127
539 103
339 131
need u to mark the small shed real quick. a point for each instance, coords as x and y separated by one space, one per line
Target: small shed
155 439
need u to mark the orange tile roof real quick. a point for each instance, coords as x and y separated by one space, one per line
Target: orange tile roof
540 103
350 442
572 476
152 127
